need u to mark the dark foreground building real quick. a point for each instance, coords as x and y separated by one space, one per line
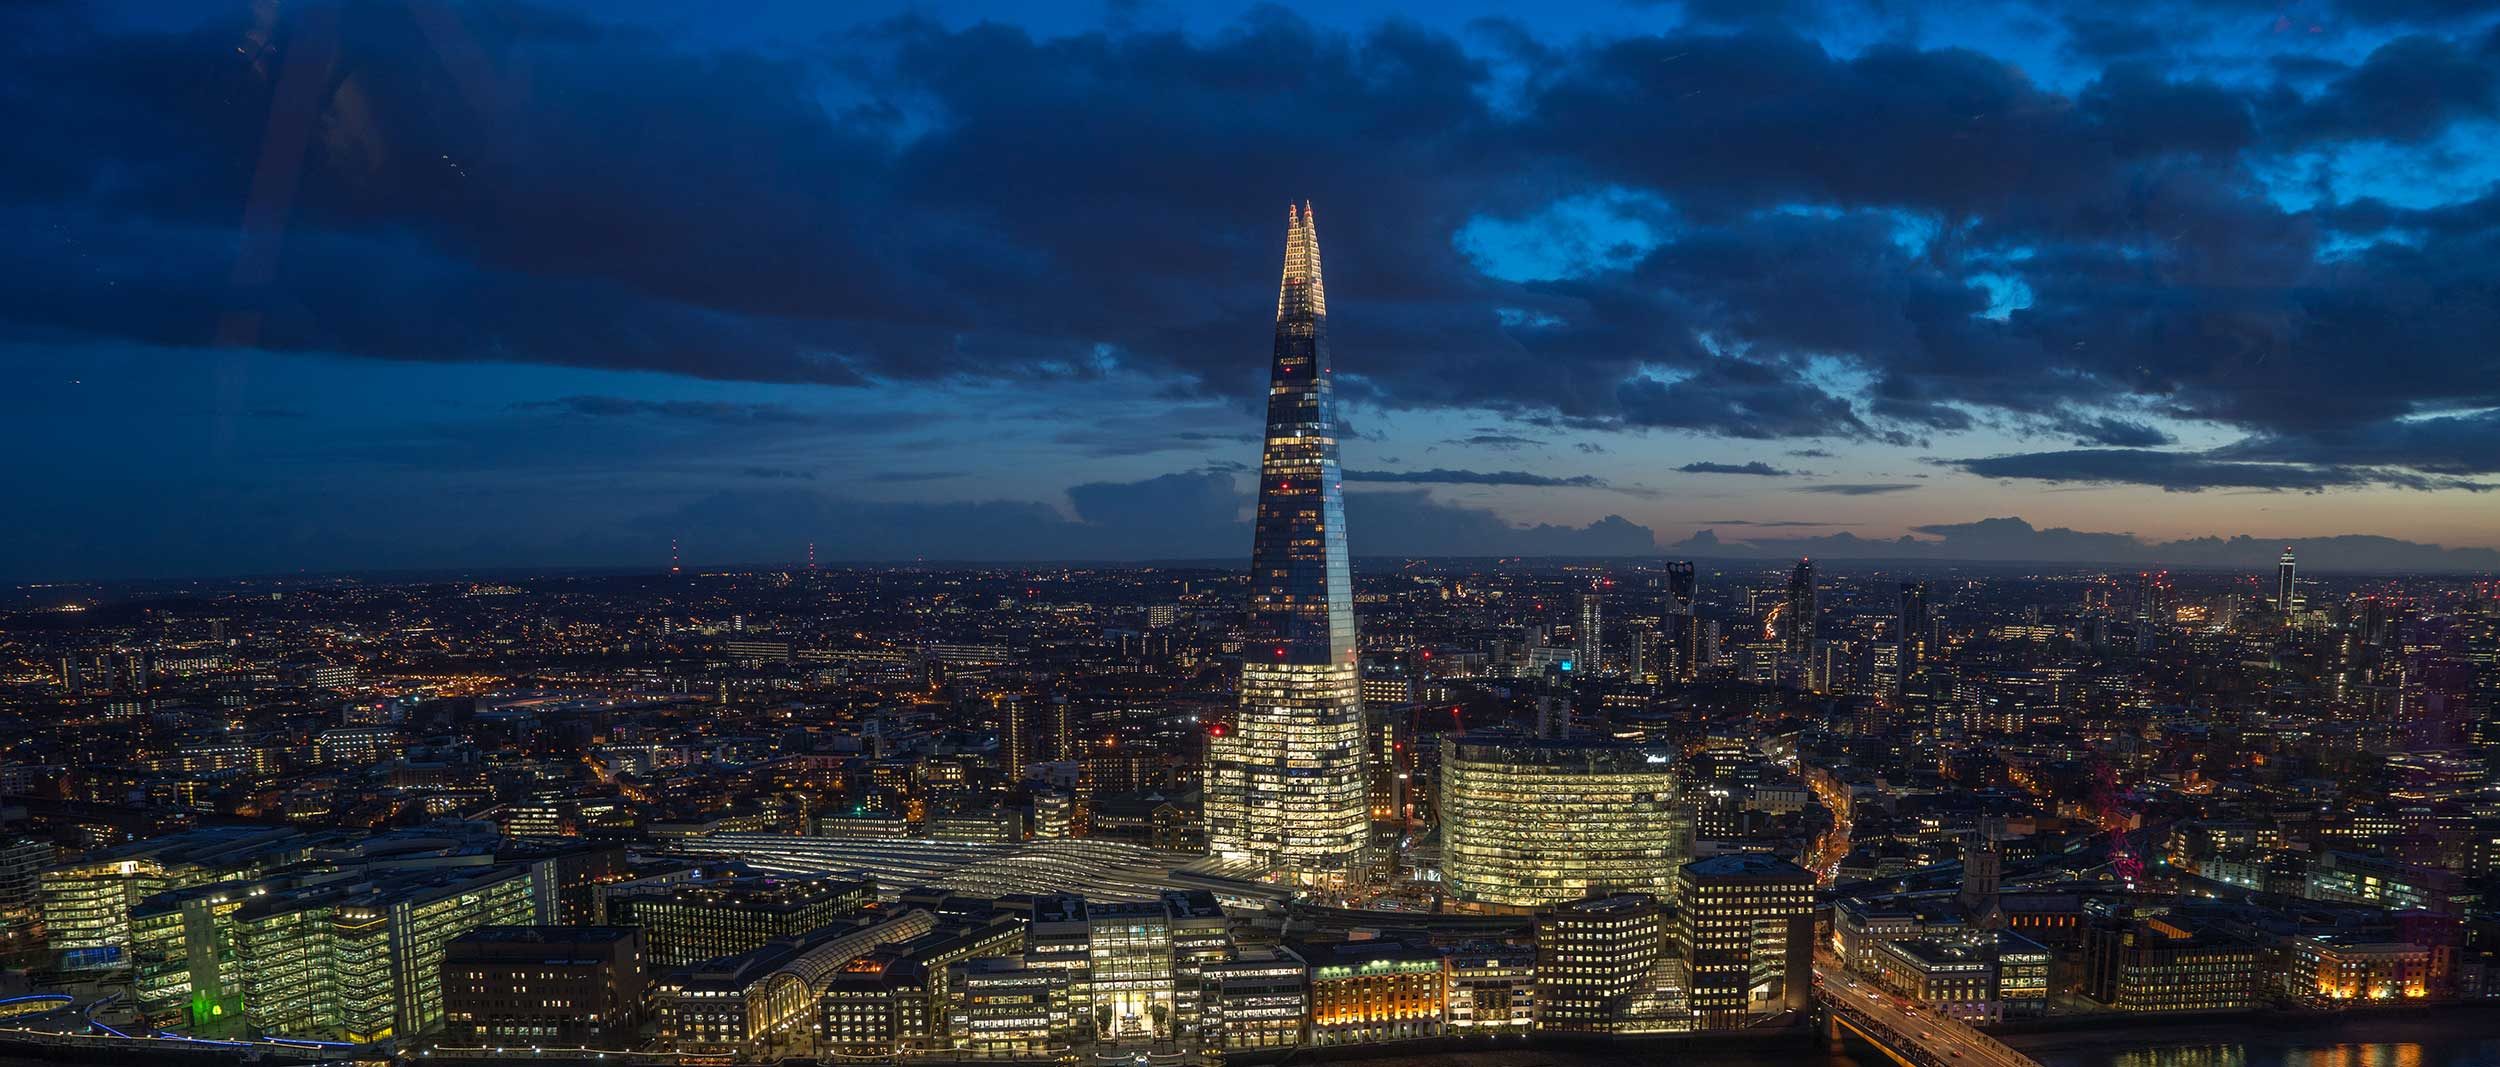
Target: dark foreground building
544 985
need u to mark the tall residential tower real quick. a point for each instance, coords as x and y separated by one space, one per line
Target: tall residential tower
1590 633
1285 780
1801 608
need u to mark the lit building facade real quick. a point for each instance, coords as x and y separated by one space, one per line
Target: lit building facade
1529 823
2156 965
1285 783
1009 1009
1259 998
1744 928
87 903
1369 991
2326 972
1492 988
363 962
1956 979
1593 958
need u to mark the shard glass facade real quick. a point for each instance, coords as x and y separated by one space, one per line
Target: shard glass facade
1285 780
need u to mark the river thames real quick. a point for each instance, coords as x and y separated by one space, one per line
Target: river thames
2453 1041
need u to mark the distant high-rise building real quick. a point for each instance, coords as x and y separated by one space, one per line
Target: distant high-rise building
1801 611
2152 596
1285 782
1015 736
1683 630
1589 633
2285 599
1915 624
1066 724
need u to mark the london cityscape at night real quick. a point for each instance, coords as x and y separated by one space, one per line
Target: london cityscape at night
592 533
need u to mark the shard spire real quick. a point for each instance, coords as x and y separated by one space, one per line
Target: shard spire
1285 784
1302 295
1300 600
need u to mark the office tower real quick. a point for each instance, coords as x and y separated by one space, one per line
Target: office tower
2285 599
1589 634
1527 823
1492 987
1915 624
1800 608
1744 926
1135 968
1284 784
686 923
1007 1009
1593 958
2155 964
1392 680
87 903
1259 998
362 962
544 985
1683 630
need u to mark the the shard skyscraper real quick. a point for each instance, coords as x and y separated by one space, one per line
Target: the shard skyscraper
1284 780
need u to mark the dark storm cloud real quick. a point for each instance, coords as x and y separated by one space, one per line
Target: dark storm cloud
1875 246
2448 444
1755 467
2409 89
1504 441
1415 524
2014 540
2115 432
1857 488
1737 398
603 407
1173 516
2191 472
1446 476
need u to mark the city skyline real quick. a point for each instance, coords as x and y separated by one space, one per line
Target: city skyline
598 531
483 291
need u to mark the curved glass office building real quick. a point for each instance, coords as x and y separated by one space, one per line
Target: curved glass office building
1527 823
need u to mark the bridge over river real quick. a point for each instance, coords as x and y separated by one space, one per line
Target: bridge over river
1911 1036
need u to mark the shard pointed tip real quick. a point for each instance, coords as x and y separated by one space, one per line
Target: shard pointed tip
1301 293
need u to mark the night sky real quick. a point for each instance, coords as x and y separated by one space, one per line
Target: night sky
415 284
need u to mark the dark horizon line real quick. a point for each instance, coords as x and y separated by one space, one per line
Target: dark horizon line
426 575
